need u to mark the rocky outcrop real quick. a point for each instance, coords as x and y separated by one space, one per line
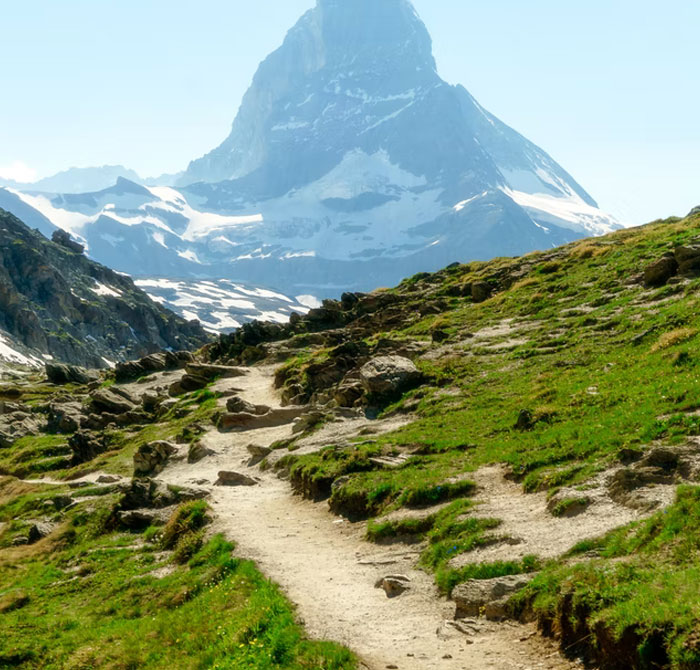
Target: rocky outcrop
86 445
487 597
388 375
659 272
55 301
61 374
153 363
111 402
151 459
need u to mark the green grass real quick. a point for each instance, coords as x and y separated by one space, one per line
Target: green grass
602 364
83 598
644 581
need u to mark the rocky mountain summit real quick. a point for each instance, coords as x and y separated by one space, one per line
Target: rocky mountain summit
57 303
350 165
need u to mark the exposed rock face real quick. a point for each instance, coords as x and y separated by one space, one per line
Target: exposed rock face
56 301
387 375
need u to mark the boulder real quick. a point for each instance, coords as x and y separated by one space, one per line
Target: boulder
688 258
110 402
7 407
660 271
227 478
153 494
481 291
138 519
525 420
694 212
60 374
348 394
487 597
152 458
388 375
38 531
62 238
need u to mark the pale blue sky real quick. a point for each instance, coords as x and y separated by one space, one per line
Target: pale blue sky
611 88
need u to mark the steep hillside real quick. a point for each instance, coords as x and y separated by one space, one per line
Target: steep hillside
575 371
58 303
515 441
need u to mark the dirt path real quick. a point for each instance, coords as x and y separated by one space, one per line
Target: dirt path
329 571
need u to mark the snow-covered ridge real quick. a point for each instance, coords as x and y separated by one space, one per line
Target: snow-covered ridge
222 306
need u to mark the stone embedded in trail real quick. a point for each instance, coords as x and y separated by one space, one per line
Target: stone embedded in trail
236 405
257 453
487 597
212 372
151 458
274 418
187 384
198 452
227 478
387 375
393 585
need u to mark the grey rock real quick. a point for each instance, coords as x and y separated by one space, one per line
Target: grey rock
660 271
257 453
386 375
152 458
227 478
394 585
198 452
481 291
110 402
211 372
487 597
60 374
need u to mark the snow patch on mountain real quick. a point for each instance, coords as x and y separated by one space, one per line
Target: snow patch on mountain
222 306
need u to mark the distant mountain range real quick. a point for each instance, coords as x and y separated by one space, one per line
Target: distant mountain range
350 165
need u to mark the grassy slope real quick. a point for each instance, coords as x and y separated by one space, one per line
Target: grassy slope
600 362
90 597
